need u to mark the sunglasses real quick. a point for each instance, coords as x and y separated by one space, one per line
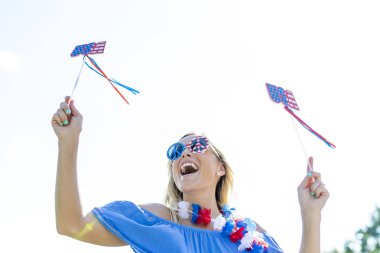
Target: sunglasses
197 145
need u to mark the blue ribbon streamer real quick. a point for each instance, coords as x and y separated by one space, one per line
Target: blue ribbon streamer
311 131
112 80
309 128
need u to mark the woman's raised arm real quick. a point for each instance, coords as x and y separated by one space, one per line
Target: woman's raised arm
67 125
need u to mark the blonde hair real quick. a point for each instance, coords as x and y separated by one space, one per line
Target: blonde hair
223 188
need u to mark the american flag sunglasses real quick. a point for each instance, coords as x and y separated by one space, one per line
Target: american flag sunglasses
197 145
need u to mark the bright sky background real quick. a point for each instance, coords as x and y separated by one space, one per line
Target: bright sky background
200 66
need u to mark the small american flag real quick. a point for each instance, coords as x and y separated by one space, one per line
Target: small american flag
91 48
98 48
279 95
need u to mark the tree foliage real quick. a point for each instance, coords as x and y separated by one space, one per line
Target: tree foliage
367 239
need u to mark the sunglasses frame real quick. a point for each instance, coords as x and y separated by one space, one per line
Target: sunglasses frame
195 146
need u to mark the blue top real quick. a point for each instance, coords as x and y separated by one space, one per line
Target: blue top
145 232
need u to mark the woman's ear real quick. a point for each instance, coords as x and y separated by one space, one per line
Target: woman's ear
221 171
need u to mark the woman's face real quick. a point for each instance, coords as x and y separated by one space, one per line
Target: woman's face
194 172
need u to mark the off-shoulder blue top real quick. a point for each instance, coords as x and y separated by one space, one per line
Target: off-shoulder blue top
145 232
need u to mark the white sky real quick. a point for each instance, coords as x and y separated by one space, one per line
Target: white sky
200 66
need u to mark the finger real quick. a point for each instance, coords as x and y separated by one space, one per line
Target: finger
62 115
315 175
65 107
56 119
74 110
68 100
325 193
309 170
315 185
321 191
305 183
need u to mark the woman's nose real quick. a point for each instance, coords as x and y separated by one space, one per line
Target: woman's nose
186 153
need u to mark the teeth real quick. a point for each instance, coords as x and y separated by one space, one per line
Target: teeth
183 170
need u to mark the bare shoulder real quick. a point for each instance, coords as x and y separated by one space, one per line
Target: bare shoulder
158 209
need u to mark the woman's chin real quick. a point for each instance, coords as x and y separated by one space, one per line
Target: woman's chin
188 186
189 182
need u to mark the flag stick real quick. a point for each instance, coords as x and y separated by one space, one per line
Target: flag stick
300 140
76 83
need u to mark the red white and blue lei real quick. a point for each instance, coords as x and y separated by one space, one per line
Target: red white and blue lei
241 231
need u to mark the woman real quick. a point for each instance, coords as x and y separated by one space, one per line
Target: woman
200 179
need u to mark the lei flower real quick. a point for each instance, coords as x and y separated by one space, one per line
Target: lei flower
242 232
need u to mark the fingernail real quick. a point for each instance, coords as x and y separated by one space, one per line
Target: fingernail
309 174
68 111
65 122
313 194
60 123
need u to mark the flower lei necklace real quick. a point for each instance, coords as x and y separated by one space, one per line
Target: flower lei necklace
242 232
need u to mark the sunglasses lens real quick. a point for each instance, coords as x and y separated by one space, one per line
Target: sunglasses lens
175 151
198 145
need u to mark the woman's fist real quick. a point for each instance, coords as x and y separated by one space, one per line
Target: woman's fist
312 192
67 121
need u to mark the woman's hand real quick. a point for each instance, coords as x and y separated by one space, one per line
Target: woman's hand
312 196
312 192
67 121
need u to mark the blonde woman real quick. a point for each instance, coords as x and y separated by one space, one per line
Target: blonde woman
196 217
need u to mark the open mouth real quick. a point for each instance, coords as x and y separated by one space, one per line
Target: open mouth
188 168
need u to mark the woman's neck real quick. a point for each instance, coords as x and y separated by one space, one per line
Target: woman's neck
204 200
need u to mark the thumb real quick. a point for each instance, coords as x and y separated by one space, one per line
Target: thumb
308 179
305 183
74 110
309 171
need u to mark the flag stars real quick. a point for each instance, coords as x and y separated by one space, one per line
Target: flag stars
91 48
279 95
